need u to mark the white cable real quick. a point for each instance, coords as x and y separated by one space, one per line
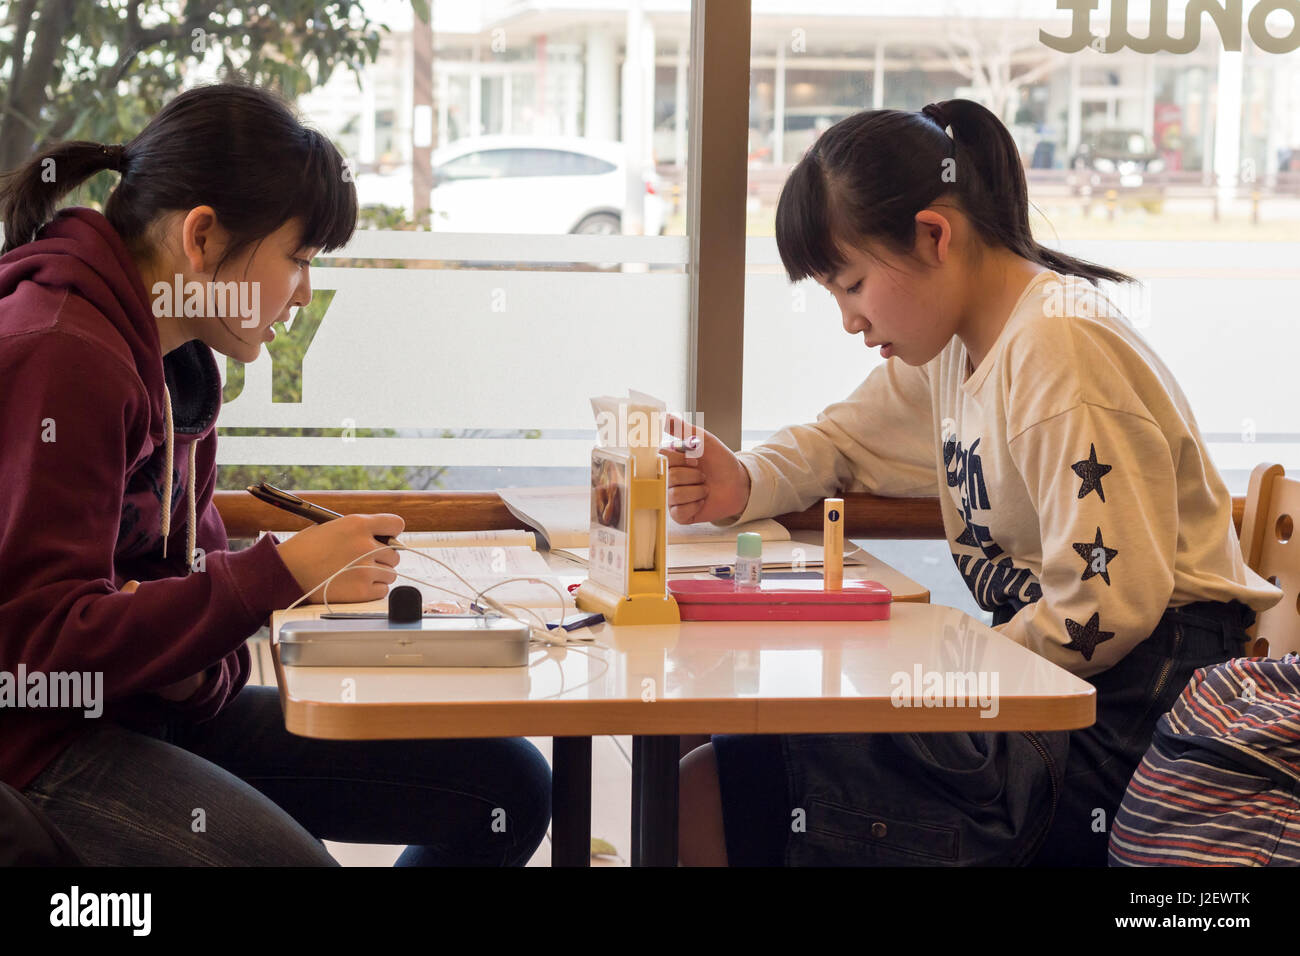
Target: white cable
557 636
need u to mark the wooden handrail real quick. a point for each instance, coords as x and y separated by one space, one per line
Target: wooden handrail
865 515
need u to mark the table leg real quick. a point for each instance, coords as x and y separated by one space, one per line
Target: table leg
570 801
654 800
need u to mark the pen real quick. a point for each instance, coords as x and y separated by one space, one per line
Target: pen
294 505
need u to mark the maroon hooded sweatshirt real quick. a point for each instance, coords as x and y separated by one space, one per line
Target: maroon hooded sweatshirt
83 465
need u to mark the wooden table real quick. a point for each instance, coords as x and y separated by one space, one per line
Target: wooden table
658 682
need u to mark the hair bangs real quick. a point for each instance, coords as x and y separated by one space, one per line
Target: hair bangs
327 201
805 230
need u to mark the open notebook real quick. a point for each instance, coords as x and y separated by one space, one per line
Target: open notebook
562 518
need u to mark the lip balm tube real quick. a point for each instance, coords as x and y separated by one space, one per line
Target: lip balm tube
749 561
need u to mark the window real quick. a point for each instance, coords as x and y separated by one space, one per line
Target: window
495 325
486 164
556 162
1209 223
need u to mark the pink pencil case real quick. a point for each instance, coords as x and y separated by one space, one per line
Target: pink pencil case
794 600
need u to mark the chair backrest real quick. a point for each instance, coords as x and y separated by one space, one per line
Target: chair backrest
1270 548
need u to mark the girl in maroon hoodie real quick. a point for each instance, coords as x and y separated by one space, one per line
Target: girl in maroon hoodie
108 431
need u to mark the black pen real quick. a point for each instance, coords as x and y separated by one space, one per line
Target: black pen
297 506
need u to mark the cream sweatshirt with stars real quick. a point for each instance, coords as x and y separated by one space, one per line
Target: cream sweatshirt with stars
1070 471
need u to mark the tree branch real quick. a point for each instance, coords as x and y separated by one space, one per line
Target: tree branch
22 25
27 99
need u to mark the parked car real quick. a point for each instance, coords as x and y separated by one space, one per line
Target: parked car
1123 160
534 184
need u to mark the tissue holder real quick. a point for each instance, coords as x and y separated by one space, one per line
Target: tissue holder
613 587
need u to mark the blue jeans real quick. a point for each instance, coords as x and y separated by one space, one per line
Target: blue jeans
936 799
240 790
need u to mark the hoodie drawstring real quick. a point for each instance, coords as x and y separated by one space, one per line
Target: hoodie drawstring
190 529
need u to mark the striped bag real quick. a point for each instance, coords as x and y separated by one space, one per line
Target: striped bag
1220 784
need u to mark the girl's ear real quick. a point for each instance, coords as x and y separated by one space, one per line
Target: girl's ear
202 238
933 234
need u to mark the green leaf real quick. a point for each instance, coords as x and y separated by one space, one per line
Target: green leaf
601 847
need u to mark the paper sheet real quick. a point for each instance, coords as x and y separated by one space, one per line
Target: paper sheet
480 566
484 566
454 539
562 516
464 539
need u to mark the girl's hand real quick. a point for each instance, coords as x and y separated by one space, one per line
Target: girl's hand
706 481
315 553
181 690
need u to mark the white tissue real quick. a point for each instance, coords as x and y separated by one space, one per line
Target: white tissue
634 424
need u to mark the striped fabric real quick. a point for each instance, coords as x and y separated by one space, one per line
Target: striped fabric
1220 784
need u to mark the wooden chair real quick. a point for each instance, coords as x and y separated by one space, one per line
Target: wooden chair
1269 547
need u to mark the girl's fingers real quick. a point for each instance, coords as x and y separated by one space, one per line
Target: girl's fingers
678 460
684 475
683 514
684 495
687 446
682 431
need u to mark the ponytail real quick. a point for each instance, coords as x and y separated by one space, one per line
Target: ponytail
996 198
30 194
870 174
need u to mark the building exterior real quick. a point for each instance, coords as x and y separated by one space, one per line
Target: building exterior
564 69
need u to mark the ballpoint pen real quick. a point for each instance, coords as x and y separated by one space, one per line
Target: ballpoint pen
295 505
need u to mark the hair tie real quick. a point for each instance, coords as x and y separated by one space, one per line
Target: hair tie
116 155
937 114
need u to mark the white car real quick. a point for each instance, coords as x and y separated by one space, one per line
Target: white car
536 184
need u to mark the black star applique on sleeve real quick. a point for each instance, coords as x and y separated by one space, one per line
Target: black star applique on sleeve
1133 520
1097 557
1091 472
1084 638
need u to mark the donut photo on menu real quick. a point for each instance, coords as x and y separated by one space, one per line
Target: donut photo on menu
607 480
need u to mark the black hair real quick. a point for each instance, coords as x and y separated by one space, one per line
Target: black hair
233 146
870 174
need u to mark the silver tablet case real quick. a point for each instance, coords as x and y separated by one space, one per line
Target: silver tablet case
450 640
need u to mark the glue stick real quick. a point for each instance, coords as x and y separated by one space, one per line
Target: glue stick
749 560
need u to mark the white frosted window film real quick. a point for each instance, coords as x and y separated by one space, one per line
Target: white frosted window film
1207 308
463 347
